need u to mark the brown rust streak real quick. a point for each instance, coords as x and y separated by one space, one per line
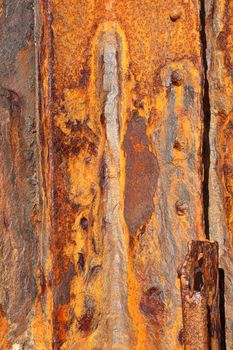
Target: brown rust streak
199 293
141 174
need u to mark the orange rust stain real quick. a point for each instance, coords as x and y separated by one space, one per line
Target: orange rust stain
4 343
1 8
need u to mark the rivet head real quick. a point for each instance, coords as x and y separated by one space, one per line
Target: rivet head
177 78
175 15
181 207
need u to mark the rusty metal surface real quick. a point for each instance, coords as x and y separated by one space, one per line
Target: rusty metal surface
219 29
18 201
102 172
123 92
200 299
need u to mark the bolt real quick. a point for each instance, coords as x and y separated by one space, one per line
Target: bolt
176 78
181 207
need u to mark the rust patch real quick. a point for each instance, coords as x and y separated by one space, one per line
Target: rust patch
152 305
62 291
141 174
85 322
89 319
62 315
4 344
85 75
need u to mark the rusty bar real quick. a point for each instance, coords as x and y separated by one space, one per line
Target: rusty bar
199 280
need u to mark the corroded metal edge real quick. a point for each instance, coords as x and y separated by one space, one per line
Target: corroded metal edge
199 280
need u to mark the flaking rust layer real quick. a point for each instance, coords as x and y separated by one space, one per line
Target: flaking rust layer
219 31
121 125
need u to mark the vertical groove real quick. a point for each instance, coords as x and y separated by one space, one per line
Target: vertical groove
206 163
207 115
222 308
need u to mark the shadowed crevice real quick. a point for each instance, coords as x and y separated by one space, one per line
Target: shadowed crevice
222 308
207 116
206 164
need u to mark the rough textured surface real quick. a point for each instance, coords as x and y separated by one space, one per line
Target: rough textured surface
200 296
18 202
102 173
219 29
121 114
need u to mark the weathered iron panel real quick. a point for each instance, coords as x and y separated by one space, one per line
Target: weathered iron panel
121 142
104 107
18 199
219 29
